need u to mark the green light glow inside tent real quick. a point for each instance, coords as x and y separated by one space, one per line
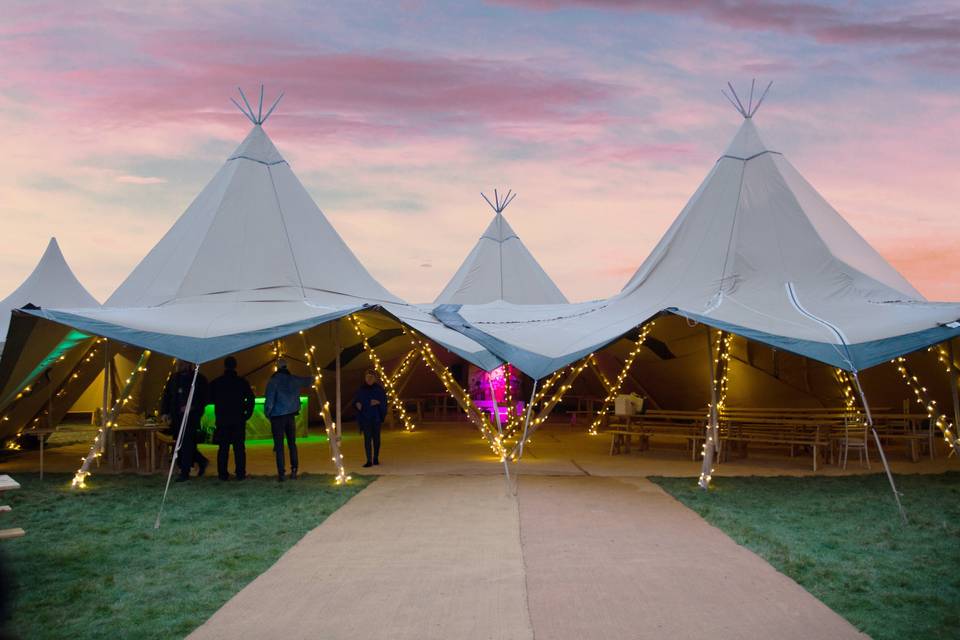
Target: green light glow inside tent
258 426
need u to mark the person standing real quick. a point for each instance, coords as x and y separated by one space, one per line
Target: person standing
174 405
371 405
281 405
232 400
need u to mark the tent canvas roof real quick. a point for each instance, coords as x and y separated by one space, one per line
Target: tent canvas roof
51 284
756 251
500 267
251 259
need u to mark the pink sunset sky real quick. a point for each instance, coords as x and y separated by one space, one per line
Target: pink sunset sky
603 115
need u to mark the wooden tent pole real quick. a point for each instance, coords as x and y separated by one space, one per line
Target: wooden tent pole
503 456
876 437
952 368
339 348
712 429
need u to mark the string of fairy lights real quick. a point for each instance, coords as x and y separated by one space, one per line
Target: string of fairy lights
96 449
720 382
332 428
65 386
478 417
614 389
922 397
572 372
388 381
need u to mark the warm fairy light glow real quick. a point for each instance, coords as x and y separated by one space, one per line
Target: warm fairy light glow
720 382
331 427
613 389
97 448
64 386
478 417
387 380
922 397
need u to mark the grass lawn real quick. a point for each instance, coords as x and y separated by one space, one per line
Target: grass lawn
92 565
842 539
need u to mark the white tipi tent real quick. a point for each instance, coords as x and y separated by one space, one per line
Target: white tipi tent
251 260
756 251
51 284
500 267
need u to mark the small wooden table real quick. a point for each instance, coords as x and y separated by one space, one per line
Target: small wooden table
41 435
9 484
440 404
149 434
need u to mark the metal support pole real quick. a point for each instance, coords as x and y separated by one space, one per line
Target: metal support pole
876 437
526 422
503 453
176 449
523 439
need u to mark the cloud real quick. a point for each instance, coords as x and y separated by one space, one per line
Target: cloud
825 23
140 180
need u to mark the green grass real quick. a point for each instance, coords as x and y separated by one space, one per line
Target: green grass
842 540
92 565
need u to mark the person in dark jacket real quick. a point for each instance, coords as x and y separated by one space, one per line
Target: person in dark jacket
232 400
174 405
281 405
371 405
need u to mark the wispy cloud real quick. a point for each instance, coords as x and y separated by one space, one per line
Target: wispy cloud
140 180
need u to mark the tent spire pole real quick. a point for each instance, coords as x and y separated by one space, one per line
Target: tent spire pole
176 449
876 437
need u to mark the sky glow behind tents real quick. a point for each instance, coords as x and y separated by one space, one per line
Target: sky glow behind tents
603 118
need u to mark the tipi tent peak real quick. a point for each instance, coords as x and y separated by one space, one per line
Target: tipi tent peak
259 118
751 108
500 267
757 252
51 284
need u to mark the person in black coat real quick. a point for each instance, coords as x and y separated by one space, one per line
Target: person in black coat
174 405
371 405
232 400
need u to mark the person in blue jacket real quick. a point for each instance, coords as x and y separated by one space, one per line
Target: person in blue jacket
371 405
281 405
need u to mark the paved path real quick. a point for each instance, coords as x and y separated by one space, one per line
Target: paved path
413 557
441 557
608 558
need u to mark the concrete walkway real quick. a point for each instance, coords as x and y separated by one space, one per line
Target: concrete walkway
573 557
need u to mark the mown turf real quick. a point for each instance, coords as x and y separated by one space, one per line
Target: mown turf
842 539
92 565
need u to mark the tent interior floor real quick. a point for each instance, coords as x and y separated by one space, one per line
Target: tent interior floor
456 448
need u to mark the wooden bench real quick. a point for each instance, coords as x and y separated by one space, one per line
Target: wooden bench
685 426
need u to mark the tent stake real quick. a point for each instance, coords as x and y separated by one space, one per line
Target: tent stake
176 449
876 437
